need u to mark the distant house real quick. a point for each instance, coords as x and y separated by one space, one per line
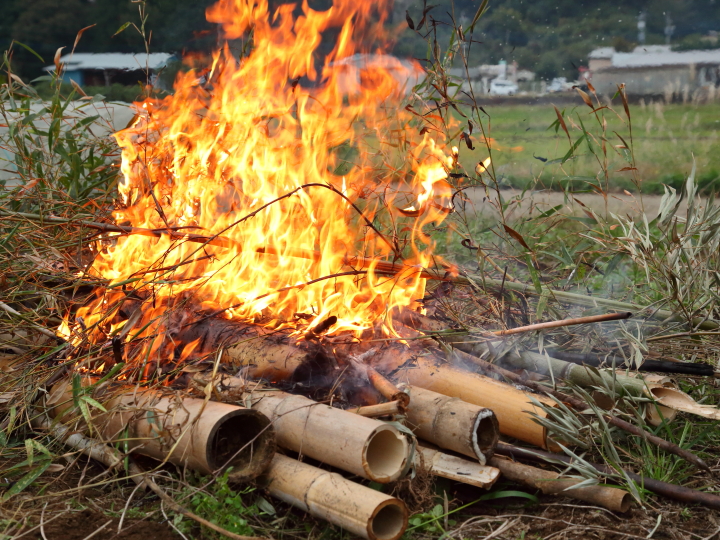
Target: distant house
104 69
655 70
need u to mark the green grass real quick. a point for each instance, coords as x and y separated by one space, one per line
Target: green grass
665 139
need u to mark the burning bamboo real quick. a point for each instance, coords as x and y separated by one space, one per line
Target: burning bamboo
363 446
203 435
359 510
456 468
389 408
552 483
453 424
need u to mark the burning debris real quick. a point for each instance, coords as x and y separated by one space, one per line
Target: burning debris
265 287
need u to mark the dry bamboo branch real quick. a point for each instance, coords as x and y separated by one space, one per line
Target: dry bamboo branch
359 510
672 491
389 408
386 388
551 483
564 322
107 455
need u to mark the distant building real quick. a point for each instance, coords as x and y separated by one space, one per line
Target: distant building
481 76
655 70
104 69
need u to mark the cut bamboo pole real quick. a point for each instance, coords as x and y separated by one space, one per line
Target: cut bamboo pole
456 468
453 424
369 448
204 436
551 483
511 406
359 510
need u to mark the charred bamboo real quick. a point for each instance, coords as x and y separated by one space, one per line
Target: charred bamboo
453 424
359 510
698 369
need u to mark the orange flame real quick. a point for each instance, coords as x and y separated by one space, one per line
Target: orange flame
250 152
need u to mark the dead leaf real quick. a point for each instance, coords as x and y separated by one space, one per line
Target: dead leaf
517 236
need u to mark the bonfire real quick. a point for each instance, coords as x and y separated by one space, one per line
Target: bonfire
270 295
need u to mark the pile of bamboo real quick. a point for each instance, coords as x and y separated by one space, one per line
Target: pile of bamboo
405 405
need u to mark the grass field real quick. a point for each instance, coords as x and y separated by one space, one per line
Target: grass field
665 139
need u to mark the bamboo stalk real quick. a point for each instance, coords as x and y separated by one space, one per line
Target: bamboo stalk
453 424
204 436
672 491
551 483
358 509
369 448
456 468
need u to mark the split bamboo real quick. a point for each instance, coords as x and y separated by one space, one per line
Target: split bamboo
551 483
453 424
456 468
369 448
358 509
204 436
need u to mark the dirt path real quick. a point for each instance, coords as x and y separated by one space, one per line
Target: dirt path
531 203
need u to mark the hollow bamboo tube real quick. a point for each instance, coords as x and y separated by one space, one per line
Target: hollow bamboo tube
204 436
551 483
511 406
457 469
453 424
363 446
358 509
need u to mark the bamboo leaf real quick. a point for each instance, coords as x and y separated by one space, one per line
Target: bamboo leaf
26 480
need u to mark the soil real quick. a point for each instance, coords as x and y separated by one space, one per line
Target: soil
80 525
